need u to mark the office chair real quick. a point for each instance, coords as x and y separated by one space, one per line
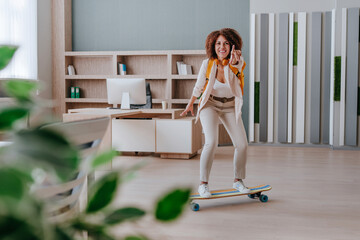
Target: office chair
65 199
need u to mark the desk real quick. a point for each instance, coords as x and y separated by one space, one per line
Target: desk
146 130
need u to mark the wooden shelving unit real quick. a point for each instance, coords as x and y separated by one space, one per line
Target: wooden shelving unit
94 67
157 67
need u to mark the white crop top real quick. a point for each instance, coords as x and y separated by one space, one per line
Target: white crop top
221 90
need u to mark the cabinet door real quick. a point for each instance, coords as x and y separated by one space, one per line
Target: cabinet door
133 135
174 136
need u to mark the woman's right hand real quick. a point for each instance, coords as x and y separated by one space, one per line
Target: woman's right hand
189 108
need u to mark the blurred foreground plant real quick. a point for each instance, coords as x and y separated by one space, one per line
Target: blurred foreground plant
35 153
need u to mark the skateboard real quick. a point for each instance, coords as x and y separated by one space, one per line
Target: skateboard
255 193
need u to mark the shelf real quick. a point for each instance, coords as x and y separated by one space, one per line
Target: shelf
185 77
183 101
157 67
6 99
90 54
157 100
160 76
88 76
86 100
152 76
137 53
101 100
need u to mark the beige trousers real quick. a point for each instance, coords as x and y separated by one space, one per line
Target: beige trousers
209 117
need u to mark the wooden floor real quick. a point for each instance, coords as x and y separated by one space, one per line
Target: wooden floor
315 195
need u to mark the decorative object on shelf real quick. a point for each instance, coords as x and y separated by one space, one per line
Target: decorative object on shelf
122 69
77 92
164 105
71 70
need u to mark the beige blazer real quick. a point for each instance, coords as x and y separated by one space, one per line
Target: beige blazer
230 78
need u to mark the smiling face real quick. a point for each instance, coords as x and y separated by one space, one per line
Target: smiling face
222 47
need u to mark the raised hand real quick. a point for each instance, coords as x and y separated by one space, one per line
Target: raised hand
234 56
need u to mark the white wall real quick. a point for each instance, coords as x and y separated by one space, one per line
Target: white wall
278 6
44 46
347 3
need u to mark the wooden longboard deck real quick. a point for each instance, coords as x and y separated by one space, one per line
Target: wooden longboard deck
231 192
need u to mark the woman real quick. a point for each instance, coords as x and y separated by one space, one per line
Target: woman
221 98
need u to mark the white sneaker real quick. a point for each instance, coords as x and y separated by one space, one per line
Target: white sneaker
204 191
239 185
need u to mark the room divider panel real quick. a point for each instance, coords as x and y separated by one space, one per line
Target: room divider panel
304 79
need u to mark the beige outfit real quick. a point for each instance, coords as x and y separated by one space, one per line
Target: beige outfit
231 80
229 113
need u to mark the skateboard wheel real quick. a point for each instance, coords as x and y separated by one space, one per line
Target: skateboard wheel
263 198
251 195
195 207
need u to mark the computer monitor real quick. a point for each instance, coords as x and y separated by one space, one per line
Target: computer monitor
126 91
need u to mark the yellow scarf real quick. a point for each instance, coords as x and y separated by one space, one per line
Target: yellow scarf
240 75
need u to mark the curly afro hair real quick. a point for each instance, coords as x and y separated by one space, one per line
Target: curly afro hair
230 34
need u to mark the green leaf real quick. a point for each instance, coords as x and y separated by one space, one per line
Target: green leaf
136 238
22 90
124 214
103 192
171 206
60 234
103 158
103 236
84 226
6 54
96 231
14 186
16 229
8 116
47 147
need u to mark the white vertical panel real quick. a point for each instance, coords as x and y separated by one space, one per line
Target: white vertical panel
343 76
252 78
301 77
270 134
257 69
290 79
332 76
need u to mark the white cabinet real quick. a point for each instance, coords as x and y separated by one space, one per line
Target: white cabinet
133 135
178 136
146 130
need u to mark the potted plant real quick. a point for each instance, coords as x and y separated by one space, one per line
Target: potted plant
31 153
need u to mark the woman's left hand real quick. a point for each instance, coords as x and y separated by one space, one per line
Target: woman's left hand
235 56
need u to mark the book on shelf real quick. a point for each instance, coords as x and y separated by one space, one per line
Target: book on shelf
121 69
72 92
71 70
186 69
77 92
179 69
